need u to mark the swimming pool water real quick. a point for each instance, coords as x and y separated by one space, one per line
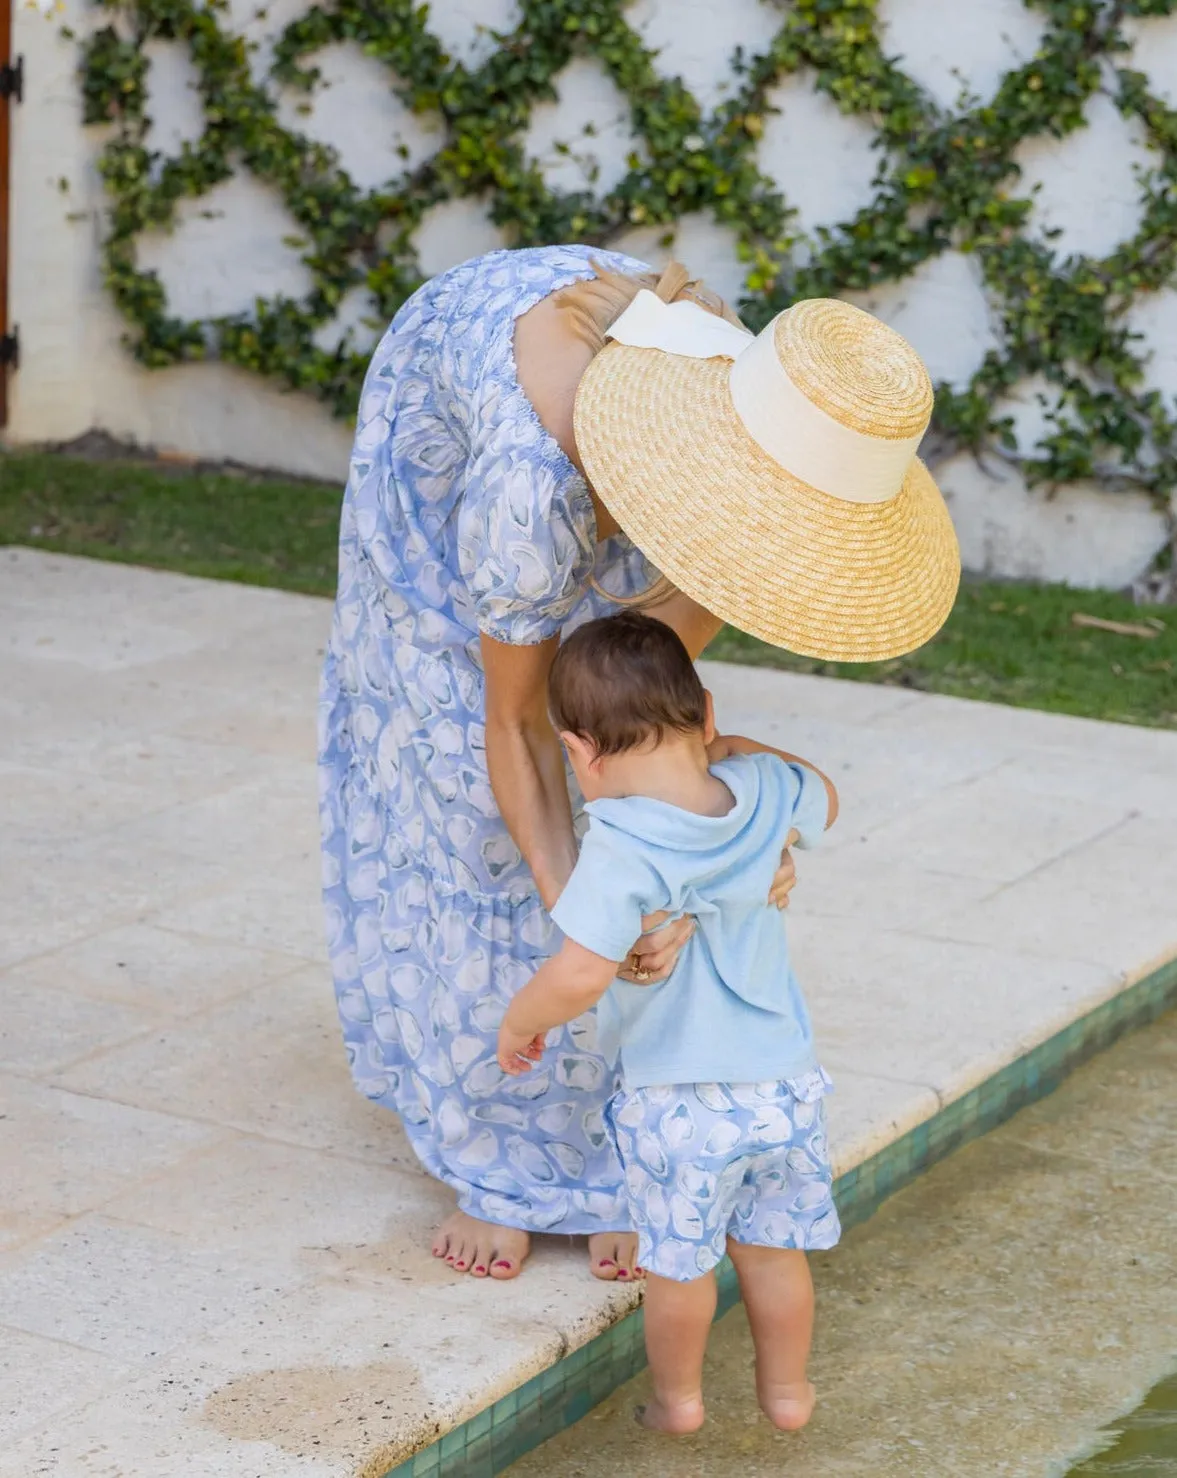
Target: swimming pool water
1142 1445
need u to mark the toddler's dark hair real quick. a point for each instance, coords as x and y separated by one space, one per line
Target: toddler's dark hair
622 680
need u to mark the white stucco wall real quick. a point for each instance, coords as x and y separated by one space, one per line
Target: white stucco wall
229 247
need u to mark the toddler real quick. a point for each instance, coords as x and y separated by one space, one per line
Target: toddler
718 1122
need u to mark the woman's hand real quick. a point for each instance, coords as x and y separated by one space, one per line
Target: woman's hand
655 954
517 1052
525 761
784 877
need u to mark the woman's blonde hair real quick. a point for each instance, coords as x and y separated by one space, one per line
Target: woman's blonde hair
594 305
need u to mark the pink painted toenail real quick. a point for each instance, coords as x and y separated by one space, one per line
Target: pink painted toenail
623 1272
502 1264
480 1268
605 1262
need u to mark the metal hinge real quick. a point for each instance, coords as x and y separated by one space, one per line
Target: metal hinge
10 349
12 80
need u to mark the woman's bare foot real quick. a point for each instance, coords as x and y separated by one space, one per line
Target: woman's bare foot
788 1408
675 1420
613 1257
479 1247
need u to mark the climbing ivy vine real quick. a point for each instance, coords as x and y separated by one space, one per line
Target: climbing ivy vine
947 179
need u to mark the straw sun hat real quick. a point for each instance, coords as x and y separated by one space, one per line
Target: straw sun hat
773 478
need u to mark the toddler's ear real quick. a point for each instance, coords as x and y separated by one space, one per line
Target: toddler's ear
709 721
579 749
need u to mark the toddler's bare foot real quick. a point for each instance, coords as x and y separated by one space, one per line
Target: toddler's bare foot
479 1247
788 1408
676 1418
613 1257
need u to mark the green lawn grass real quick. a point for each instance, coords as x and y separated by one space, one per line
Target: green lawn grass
1004 643
254 529
1016 644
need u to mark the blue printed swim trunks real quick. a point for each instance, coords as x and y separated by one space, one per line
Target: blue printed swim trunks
707 1161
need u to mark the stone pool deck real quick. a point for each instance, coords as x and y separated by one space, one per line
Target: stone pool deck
212 1250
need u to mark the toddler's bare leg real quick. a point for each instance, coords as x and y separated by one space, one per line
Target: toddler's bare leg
678 1320
778 1294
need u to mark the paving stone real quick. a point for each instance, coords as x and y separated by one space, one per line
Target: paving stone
315 1383
119 640
316 1212
46 805
866 1111
936 721
43 1030
55 893
1111 903
991 828
269 1062
287 735
980 1004
158 970
269 823
182 767
267 909
65 1153
806 700
44 1378
853 884
124 1291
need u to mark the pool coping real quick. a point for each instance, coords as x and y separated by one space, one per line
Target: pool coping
489 1442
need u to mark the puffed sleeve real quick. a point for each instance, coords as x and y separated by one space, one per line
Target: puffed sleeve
525 531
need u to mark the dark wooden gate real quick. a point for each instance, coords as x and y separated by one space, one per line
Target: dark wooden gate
10 91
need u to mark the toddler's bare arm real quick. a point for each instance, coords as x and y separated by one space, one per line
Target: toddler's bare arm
562 989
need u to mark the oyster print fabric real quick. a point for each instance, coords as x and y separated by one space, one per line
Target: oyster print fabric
461 515
703 1162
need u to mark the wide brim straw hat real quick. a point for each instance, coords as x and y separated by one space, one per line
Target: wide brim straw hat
774 478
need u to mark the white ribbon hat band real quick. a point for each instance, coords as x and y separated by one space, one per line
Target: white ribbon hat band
798 435
678 328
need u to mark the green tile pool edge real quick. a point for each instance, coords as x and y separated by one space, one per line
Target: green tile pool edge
556 1398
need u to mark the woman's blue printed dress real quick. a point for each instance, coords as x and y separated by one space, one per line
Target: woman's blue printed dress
461 515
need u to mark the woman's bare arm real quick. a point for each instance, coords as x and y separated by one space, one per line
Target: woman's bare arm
696 627
526 761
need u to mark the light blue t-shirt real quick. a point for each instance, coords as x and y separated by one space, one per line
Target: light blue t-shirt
731 1011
